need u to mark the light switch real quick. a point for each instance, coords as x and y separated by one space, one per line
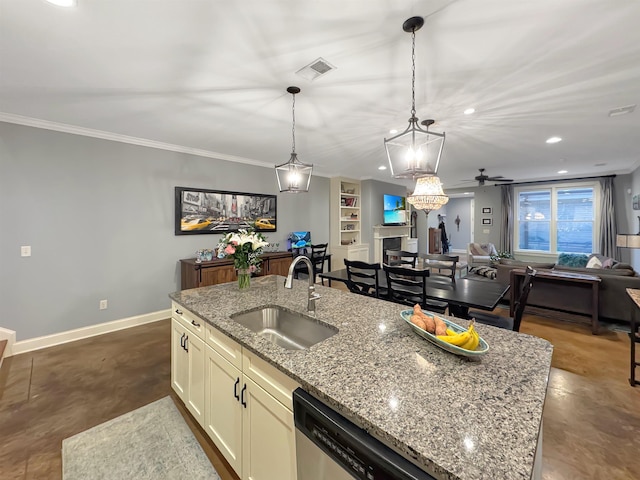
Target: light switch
25 251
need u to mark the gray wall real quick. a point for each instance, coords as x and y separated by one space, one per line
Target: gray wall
459 237
629 223
99 216
372 207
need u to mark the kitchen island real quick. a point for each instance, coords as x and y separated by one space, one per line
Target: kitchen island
454 418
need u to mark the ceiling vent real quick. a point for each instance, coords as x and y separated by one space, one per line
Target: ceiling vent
315 69
622 110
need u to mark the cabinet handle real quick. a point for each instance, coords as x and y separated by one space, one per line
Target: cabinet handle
182 340
179 312
235 389
244 389
193 322
186 348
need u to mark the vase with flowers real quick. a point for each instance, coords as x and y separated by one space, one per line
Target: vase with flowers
245 247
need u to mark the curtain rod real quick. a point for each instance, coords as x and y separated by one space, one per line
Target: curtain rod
554 181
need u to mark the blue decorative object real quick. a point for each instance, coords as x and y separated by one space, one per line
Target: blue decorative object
573 260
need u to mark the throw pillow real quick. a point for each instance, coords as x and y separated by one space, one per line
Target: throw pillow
608 263
573 259
594 262
484 271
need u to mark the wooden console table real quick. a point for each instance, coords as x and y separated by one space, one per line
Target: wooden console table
634 334
563 279
221 270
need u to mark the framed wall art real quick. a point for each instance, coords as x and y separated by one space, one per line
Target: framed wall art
486 221
201 211
487 211
636 202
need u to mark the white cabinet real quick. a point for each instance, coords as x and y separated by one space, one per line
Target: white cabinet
248 406
187 360
346 222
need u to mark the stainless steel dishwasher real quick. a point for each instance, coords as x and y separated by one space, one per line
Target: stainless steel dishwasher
330 447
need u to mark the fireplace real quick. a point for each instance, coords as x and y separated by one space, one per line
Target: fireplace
382 233
390 243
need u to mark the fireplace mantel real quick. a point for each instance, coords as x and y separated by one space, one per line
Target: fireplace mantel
380 232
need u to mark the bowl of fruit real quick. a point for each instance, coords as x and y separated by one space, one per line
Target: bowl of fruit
445 334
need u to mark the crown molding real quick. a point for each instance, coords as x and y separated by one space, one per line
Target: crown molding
116 137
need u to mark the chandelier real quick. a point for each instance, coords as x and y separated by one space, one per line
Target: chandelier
294 176
416 151
428 195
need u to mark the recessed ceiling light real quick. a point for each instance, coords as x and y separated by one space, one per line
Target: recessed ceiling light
554 139
63 3
469 111
382 167
563 171
393 131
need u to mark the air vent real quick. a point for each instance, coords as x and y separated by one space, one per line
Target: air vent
315 69
622 110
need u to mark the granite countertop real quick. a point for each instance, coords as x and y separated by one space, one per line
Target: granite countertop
634 293
456 418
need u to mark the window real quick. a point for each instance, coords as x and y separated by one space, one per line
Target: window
556 219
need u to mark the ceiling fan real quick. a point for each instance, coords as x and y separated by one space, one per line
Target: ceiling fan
486 178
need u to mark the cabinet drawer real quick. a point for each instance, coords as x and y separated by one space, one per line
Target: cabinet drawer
229 349
272 380
194 324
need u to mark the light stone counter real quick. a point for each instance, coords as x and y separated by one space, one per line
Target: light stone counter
453 417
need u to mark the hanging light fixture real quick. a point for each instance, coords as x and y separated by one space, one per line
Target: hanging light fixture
294 176
428 195
416 151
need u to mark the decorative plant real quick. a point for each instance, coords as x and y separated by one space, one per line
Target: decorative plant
245 247
500 255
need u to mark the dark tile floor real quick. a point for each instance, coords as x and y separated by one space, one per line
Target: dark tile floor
591 417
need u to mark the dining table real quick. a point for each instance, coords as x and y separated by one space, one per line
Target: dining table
461 294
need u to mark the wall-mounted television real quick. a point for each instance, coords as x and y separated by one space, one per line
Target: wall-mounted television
394 210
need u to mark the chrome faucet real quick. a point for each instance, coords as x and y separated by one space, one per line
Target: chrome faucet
288 283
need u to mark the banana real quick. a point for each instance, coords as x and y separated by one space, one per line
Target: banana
458 339
468 340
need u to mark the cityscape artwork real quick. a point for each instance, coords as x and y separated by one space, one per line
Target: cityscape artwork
201 211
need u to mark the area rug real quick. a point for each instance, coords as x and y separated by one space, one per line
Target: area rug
150 443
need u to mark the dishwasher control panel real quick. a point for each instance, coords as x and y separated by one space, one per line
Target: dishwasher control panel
364 457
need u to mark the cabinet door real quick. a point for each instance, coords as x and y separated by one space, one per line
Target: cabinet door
216 275
195 392
179 360
279 266
269 437
223 417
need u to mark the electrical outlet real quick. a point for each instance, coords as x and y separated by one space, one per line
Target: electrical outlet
103 304
25 251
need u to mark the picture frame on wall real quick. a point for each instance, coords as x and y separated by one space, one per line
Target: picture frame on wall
487 211
202 211
487 221
636 202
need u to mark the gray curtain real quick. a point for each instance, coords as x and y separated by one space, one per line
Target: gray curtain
608 226
506 235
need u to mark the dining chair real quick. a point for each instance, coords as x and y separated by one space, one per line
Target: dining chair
508 322
317 256
408 286
401 257
444 262
363 279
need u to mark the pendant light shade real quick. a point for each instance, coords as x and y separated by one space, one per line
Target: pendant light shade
416 151
428 195
294 176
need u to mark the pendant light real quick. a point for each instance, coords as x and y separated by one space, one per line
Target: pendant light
294 176
428 195
416 151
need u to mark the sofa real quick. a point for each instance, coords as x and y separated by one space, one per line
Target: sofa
613 299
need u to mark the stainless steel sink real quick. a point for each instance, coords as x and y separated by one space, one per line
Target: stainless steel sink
290 330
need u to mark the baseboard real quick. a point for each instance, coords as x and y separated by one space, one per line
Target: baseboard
10 337
37 343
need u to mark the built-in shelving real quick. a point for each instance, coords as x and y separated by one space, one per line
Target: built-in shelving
346 222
